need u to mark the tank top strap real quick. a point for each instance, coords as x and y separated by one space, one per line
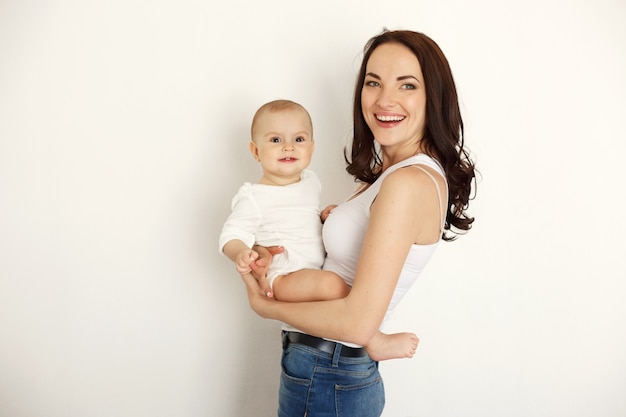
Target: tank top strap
442 209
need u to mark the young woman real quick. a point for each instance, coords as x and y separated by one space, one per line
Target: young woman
416 182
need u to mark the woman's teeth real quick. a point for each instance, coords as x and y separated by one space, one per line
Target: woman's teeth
390 118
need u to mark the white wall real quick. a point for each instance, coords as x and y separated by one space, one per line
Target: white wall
123 134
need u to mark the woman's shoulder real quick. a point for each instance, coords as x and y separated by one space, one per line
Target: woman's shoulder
413 184
411 176
416 194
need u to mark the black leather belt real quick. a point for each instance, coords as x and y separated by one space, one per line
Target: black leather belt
321 344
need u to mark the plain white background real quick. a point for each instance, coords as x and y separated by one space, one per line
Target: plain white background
123 136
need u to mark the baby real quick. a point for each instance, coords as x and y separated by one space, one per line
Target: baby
282 209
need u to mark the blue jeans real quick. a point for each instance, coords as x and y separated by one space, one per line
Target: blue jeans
319 384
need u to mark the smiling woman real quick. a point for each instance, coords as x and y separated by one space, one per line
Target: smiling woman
393 101
416 179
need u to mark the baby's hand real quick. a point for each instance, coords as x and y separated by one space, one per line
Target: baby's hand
244 259
326 212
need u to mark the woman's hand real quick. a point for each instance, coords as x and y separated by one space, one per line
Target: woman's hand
261 265
326 212
257 296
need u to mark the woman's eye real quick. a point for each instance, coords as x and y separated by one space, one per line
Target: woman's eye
372 83
408 87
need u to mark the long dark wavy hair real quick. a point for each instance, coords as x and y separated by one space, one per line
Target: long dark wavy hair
443 133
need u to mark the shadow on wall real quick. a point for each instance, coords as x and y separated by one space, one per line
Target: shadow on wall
256 369
260 369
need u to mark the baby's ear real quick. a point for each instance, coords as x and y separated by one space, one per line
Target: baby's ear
254 150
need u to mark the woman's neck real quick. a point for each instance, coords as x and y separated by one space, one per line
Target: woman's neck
392 158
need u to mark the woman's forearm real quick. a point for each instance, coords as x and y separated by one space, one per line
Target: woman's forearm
329 319
338 319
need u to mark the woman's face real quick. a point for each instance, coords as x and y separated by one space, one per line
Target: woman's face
393 98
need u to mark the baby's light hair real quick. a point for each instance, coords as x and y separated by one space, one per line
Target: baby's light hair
277 106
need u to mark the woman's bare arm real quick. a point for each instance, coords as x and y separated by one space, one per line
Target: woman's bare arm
403 214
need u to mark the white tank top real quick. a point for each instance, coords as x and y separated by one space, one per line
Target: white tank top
344 231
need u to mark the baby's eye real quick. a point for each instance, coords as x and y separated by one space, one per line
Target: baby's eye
275 139
300 139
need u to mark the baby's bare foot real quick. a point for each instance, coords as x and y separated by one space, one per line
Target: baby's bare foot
392 346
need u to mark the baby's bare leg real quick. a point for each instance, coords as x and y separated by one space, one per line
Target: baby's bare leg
392 346
309 285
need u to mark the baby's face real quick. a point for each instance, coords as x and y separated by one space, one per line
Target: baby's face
283 143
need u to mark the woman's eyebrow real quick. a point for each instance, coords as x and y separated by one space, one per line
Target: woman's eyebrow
400 78
406 77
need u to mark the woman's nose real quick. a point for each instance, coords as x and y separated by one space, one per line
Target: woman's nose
386 98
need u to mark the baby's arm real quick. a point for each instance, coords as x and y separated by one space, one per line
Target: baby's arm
240 254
